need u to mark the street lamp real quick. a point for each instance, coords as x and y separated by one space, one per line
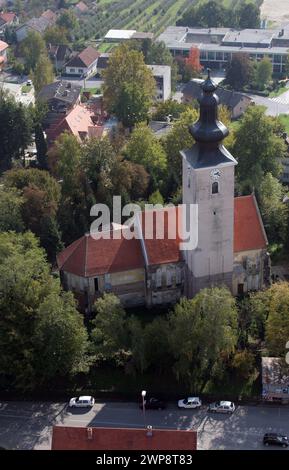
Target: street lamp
143 394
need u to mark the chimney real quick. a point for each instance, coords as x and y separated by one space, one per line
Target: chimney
149 431
89 434
281 33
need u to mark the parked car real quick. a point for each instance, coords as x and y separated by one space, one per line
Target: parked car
190 402
222 407
153 404
81 402
274 439
29 83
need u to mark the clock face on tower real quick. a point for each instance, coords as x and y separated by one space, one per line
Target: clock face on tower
215 174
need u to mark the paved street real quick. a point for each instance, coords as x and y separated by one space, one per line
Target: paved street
27 425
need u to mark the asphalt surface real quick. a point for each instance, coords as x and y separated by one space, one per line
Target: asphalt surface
28 425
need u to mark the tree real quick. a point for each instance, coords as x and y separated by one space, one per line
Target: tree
55 35
157 53
202 332
16 126
156 345
60 338
239 71
145 149
274 212
68 157
32 48
109 335
43 73
67 20
277 324
178 139
248 16
129 180
41 334
10 211
207 15
169 108
128 85
257 131
264 73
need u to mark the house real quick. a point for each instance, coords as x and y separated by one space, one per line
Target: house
156 266
84 64
60 97
3 53
50 16
236 102
275 379
79 121
81 8
35 24
7 19
59 55
162 76
106 439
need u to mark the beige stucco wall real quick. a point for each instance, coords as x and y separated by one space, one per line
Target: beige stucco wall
252 276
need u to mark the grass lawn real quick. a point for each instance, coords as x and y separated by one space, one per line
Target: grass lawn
284 118
93 91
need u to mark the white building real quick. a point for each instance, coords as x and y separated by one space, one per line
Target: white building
162 76
84 64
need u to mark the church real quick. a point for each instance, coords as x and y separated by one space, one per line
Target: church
231 245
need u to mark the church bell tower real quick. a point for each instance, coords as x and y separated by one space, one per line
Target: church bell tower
208 181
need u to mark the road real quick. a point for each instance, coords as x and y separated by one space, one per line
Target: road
274 106
28 425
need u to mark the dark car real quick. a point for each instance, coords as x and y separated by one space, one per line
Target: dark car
153 404
274 439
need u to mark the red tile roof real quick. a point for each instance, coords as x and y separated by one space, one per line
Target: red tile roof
84 58
3 46
87 257
76 438
49 15
8 17
249 233
81 6
161 249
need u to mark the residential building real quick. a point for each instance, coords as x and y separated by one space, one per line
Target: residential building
7 19
3 53
80 9
106 439
154 267
162 76
275 379
35 24
79 121
236 102
218 45
59 55
83 64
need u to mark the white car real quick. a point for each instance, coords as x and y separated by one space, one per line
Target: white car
190 402
81 402
29 83
222 407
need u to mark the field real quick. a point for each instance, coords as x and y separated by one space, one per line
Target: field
275 11
142 15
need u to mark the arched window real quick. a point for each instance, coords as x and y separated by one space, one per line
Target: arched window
215 187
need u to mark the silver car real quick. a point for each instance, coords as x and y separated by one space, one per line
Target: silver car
222 407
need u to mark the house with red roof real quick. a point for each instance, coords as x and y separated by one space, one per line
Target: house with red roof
80 9
83 64
105 439
3 53
7 19
151 262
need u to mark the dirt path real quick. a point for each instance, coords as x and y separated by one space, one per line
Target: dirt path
275 10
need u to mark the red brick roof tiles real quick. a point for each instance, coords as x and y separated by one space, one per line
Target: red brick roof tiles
249 232
76 438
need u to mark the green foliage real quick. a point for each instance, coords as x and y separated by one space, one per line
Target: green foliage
240 71
274 212
15 130
43 73
258 147
67 20
10 211
156 198
109 335
264 73
128 85
145 149
277 324
244 363
32 48
168 108
203 331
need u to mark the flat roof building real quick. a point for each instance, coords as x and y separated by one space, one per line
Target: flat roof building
217 45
